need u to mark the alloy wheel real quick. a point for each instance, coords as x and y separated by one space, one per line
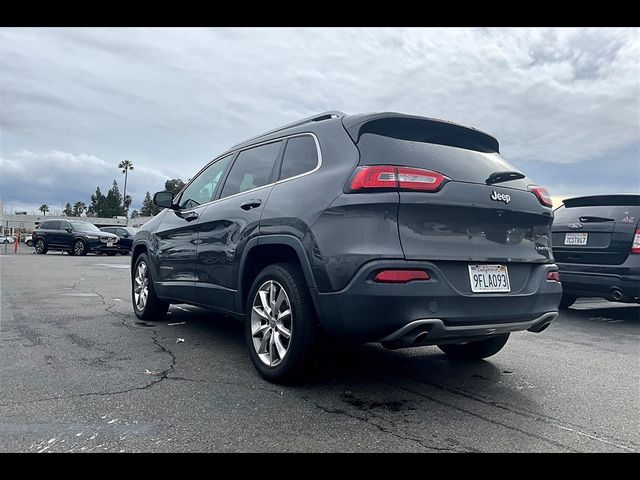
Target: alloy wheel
141 286
79 247
271 323
39 245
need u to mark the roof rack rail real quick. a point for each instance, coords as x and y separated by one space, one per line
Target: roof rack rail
315 118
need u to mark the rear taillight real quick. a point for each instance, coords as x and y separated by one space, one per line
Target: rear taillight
400 276
542 194
553 276
635 247
394 178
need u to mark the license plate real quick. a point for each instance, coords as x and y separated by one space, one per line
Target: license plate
109 244
489 278
575 238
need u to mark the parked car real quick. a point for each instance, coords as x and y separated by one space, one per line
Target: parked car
596 242
125 234
73 236
384 227
7 239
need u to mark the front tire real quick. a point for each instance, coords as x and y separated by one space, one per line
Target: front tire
146 304
567 301
280 323
41 246
475 350
79 247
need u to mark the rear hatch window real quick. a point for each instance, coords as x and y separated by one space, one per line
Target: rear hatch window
595 230
460 153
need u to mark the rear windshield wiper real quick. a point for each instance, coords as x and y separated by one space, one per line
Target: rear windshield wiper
498 177
588 219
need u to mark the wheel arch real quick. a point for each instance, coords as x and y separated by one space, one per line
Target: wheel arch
267 250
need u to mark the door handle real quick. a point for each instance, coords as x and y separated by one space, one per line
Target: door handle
251 204
191 216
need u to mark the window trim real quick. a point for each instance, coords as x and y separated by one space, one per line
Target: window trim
234 155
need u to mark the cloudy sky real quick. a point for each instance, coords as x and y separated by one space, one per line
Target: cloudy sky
564 103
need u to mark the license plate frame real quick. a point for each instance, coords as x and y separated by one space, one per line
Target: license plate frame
485 278
578 239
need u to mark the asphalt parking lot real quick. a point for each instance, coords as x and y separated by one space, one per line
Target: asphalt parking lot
80 373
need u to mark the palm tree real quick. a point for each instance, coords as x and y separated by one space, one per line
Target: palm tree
78 208
44 208
125 166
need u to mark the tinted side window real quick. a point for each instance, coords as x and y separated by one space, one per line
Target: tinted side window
53 225
64 225
251 169
202 188
300 156
121 232
43 226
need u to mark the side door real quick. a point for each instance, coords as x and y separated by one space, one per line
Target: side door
227 224
52 233
125 239
66 234
177 234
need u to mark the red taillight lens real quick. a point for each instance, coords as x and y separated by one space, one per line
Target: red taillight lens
400 276
635 247
542 194
553 276
374 177
406 178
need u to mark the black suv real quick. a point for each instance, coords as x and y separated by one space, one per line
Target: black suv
125 234
383 227
74 237
596 241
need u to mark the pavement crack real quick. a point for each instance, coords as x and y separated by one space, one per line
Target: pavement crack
383 429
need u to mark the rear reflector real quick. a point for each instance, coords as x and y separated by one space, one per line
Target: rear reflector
635 248
542 194
400 276
404 178
553 276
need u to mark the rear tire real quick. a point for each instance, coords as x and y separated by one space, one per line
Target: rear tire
475 350
567 301
146 304
41 246
281 344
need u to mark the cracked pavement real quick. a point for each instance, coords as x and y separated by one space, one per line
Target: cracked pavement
80 373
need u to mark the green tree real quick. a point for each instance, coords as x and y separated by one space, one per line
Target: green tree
125 166
113 204
126 202
68 211
174 185
98 204
134 214
44 208
149 209
78 208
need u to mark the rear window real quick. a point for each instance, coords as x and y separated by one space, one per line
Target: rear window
597 213
457 163
300 156
51 225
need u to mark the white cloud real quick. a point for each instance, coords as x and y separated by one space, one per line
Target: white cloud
171 99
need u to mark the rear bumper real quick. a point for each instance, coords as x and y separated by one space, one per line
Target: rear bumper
368 311
584 280
434 331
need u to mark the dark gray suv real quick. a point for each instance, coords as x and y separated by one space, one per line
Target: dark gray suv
382 227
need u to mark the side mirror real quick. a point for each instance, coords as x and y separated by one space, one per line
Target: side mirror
69 229
164 200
